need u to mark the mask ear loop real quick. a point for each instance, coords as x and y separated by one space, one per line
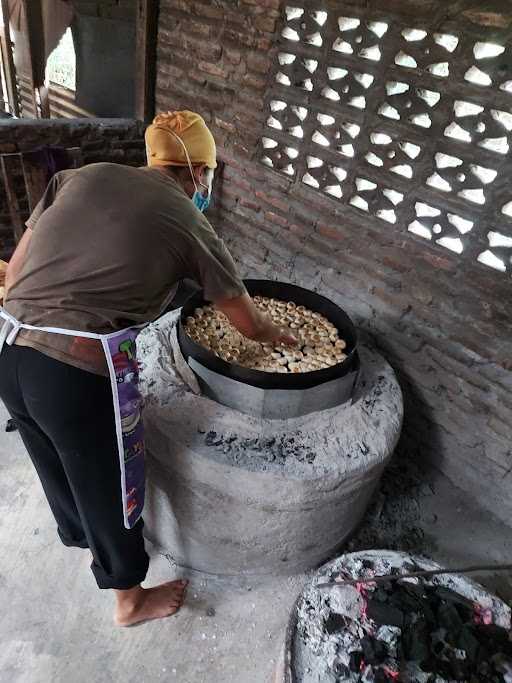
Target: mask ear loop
190 167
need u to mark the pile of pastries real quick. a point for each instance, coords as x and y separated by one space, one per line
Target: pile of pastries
319 344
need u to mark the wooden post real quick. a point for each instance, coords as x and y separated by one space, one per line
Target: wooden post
44 101
8 61
35 177
35 41
145 58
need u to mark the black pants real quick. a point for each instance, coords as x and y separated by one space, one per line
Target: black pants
66 420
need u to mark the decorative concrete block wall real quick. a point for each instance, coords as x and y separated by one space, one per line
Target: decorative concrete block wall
365 150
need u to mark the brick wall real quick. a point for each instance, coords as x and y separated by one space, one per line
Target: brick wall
443 320
114 140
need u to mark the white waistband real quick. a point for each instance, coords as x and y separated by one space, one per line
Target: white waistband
11 327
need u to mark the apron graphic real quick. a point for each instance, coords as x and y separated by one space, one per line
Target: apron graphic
121 355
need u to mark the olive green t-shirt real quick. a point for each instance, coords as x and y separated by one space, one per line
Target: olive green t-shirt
110 243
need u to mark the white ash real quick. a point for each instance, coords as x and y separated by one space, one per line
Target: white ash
317 654
160 381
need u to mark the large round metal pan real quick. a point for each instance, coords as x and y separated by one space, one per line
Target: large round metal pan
275 380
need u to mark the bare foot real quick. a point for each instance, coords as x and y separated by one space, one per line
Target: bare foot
142 604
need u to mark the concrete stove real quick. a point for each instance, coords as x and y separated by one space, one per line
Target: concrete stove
231 493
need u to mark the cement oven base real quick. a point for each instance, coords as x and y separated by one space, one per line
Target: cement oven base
228 493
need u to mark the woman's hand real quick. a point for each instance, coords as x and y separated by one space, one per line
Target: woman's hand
243 314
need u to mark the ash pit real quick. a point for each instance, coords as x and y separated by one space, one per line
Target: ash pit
440 629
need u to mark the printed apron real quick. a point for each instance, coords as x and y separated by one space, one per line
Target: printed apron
121 355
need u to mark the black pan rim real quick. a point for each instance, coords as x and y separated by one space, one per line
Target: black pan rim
271 380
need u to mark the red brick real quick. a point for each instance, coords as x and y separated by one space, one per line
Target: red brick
197 77
248 103
242 150
259 10
225 125
209 10
273 201
235 18
213 69
208 50
271 4
298 230
400 266
265 24
421 293
258 62
330 232
487 18
198 28
166 37
232 56
262 43
230 162
256 171
255 82
169 70
249 204
272 217
237 180
438 261
500 428
238 37
171 6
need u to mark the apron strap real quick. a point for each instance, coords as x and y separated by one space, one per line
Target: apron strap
10 329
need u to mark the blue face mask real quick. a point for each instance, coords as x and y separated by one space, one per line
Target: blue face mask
201 201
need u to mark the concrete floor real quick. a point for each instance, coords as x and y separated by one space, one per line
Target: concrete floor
56 627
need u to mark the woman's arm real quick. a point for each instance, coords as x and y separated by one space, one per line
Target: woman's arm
243 314
17 260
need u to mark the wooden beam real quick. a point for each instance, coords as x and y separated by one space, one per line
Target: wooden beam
35 41
145 58
8 61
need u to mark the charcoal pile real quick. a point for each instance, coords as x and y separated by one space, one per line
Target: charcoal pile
433 630
437 630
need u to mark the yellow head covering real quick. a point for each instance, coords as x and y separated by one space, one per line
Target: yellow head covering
164 149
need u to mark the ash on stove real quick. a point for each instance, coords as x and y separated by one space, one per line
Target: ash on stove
273 449
415 631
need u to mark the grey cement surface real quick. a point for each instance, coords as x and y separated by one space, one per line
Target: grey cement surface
56 626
